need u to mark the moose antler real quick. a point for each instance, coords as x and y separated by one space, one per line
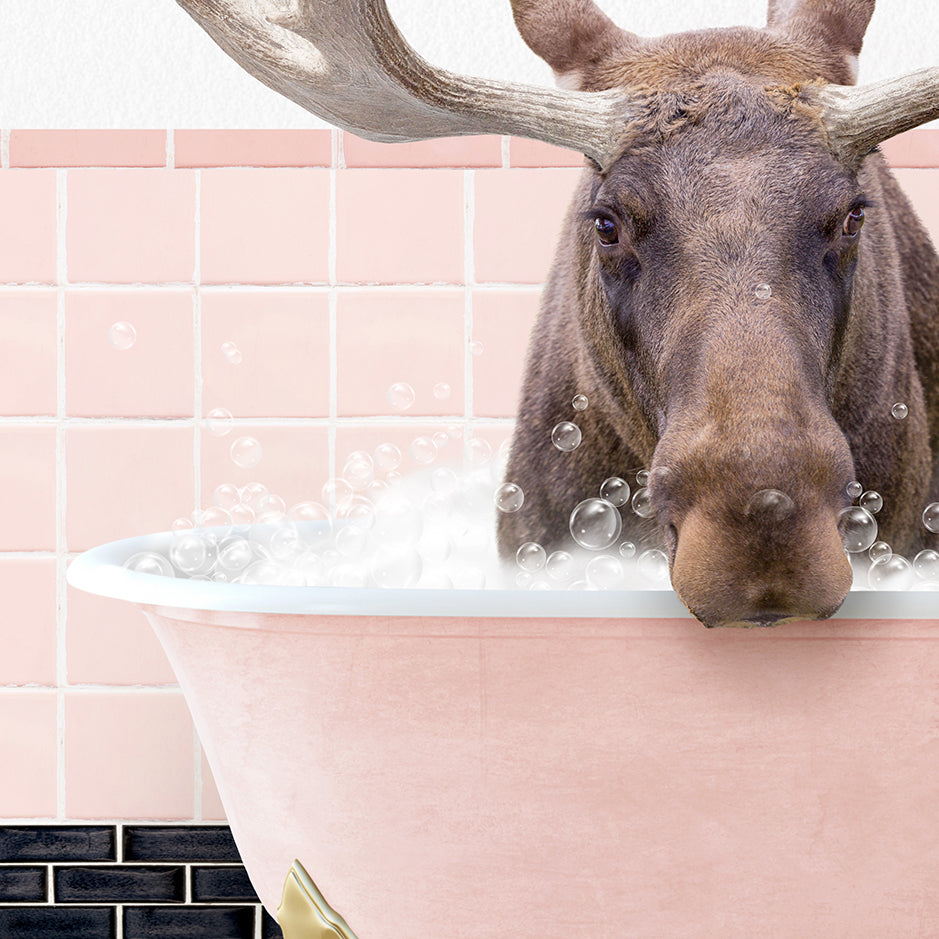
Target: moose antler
345 61
858 118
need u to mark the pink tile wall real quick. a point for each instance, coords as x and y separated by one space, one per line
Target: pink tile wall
337 267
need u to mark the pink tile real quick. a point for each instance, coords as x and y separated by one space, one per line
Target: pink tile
524 152
920 185
111 643
399 226
502 322
264 226
253 147
128 755
131 225
28 744
28 349
125 480
27 627
28 235
441 151
284 342
27 488
152 378
88 147
518 222
294 461
212 808
415 337
918 147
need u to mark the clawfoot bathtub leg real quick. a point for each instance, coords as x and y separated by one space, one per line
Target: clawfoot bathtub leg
304 913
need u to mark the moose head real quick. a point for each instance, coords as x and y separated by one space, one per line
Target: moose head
741 289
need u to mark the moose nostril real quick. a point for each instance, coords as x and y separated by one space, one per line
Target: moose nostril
770 504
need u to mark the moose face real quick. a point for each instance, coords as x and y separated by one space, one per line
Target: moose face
724 259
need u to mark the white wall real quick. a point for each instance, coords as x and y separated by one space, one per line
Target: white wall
144 63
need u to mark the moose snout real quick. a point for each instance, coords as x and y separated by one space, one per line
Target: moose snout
770 566
757 542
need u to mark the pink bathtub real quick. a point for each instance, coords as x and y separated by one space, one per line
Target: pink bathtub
473 765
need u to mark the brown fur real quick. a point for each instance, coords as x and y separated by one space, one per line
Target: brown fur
727 182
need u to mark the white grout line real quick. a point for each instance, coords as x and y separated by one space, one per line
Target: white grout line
338 159
4 149
506 151
469 277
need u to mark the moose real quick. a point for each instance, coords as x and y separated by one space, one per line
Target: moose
741 289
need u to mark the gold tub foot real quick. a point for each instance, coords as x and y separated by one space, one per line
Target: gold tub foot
304 913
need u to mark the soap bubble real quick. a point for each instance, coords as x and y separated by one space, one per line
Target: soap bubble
232 353
252 494
642 504
242 514
770 504
595 524
879 550
479 451
351 541
604 572
181 524
642 478
926 565
931 516
858 529
566 436
149 562
336 491
653 565
899 411
235 554
441 391
423 450
400 396
531 557
440 438
476 347
387 457
853 489
359 511
763 291
560 566
190 553
226 496
122 335
359 470
245 452
580 402
872 501
627 550
509 497
891 573
308 512
615 491
215 516
219 422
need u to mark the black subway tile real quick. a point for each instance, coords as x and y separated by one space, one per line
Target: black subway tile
48 921
270 928
23 884
117 884
221 883
206 843
57 843
188 922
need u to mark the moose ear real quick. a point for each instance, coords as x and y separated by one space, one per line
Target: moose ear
837 26
572 36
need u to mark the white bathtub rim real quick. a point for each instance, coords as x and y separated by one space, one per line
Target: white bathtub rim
100 571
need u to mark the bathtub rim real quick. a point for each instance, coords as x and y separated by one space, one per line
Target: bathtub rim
100 571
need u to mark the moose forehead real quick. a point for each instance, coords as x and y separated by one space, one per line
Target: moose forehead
726 147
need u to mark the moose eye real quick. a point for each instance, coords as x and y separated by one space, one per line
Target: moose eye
853 222
606 231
